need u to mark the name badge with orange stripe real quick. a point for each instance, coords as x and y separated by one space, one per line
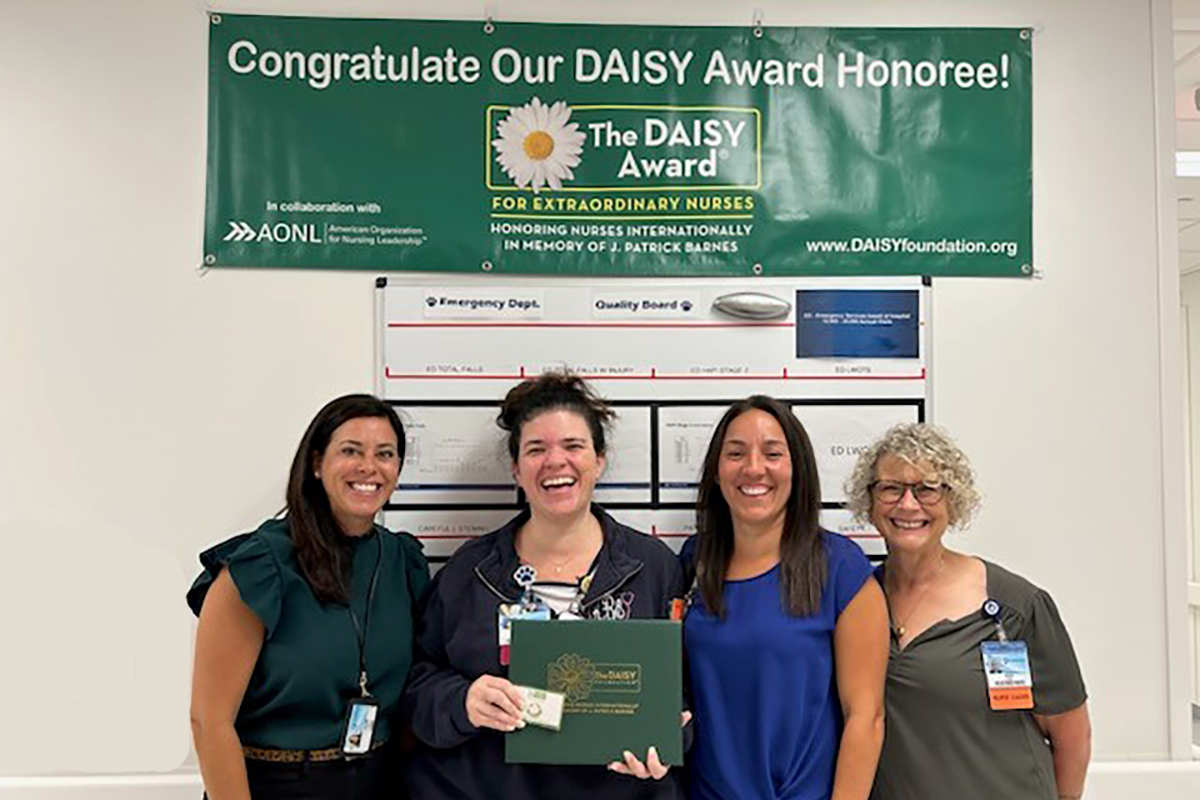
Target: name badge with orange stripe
1009 679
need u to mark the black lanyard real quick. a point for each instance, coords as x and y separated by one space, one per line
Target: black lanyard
360 631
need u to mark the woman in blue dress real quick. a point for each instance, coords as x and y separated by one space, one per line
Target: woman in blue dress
786 636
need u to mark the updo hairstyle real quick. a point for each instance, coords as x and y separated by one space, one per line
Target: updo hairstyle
554 391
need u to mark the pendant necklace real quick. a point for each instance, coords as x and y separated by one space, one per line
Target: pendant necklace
557 566
560 564
900 627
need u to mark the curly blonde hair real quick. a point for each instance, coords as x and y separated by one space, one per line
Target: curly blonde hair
922 445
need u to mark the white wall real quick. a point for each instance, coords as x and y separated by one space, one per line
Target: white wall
148 410
1189 289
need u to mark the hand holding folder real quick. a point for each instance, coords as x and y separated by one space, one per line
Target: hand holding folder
623 687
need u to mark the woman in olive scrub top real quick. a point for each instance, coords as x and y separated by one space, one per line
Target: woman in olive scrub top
947 736
306 618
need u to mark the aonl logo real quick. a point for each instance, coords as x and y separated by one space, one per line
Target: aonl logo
279 232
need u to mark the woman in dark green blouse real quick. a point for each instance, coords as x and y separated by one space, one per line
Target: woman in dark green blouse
306 625
984 696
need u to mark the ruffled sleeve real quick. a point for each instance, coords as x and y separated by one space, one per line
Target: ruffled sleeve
255 573
1057 683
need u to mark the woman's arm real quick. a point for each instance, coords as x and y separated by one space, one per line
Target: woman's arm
444 707
860 651
1070 735
228 641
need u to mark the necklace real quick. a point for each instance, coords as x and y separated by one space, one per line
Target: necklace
900 627
561 565
558 566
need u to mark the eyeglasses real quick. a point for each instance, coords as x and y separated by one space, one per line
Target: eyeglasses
890 492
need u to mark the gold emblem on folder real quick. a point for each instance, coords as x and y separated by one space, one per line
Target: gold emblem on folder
578 678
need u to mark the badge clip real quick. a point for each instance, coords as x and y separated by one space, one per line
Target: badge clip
525 575
991 609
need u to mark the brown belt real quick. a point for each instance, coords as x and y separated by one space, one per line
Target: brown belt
296 756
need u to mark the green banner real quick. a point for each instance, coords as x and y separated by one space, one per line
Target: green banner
618 149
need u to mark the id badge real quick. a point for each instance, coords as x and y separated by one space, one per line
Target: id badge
359 730
506 613
1009 678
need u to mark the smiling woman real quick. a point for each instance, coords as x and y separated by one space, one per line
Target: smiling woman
358 470
270 714
563 558
953 614
786 636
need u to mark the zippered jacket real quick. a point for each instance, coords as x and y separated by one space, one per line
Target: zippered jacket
636 577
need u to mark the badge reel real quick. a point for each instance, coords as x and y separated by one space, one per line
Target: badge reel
1006 667
574 610
525 575
528 607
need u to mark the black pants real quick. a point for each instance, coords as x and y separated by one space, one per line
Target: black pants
374 777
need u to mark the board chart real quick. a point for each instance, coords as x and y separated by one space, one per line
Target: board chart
850 356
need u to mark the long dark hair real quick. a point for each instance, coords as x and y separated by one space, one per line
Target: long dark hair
802 560
551 391
322 550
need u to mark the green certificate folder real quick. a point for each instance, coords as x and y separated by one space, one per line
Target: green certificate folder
623 682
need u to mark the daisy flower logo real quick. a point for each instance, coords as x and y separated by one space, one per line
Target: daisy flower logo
572 675
538 145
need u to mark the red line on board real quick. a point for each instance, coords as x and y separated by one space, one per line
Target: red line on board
591 324
446 536
766 377
655 375
387 373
